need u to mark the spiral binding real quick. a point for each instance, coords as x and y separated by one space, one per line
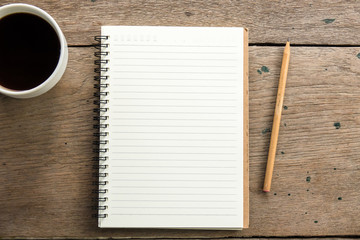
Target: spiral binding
102 141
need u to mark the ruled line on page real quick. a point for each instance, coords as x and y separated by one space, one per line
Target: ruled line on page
164 85
185 194
190 133
177 139
177 79
175 106
173 52
169 214
172 146
175 207
175 126
174 45
185 166
175 119
175 173
175 99
172 92
152 72
149 200
219 113
172 65
171 180
178 58
169 166
177 187
172 139
173 160
175 59
172 153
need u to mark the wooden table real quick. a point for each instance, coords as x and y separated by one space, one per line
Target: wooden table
46 142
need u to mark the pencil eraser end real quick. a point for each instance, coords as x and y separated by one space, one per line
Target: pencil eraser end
266 190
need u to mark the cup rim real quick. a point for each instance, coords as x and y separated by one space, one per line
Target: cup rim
46 17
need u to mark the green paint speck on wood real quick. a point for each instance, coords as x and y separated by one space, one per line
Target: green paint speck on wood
286 107
328 20
316 221
308 179
339 198
266 130
260 72
358 55
337 125
265 69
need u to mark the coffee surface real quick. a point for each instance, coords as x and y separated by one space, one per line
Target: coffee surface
29 51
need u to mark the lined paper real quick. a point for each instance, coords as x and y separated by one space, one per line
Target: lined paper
175 124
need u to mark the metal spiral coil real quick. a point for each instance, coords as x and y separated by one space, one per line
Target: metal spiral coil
99 94
100 109
98 159
101 117
101 86
100 134
101 142
98 102
97 175
100 166
100 215
101 78
100 207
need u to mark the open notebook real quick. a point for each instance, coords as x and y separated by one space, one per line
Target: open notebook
174 127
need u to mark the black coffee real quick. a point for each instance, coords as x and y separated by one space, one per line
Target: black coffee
29 51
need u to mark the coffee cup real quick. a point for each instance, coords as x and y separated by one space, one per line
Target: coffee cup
33 51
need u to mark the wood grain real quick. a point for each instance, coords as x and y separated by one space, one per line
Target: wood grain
46 152
305 22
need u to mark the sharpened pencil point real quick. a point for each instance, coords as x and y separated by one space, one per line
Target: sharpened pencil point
288 39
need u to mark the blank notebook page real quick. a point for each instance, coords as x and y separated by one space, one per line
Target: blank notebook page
175 124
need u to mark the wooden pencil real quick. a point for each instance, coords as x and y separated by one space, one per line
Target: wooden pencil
277 118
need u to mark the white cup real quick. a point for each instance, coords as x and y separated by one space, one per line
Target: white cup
63 58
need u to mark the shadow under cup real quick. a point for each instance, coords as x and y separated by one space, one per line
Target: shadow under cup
30 53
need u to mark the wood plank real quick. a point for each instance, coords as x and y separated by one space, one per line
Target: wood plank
272 238
305 22
46 151
285 238
317 165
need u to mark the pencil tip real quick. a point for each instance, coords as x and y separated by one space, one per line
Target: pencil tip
288 39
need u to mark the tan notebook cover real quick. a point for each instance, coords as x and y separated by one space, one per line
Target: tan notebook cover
177 128
246 129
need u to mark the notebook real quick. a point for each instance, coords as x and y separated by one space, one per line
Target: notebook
173 119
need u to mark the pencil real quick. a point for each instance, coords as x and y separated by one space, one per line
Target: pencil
277 118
